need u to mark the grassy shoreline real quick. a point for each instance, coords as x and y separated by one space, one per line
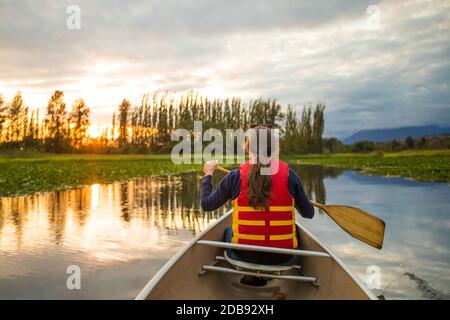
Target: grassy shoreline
423 165
23 175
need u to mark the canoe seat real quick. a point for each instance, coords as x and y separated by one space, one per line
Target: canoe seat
258 267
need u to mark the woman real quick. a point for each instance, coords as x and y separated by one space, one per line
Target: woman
263 204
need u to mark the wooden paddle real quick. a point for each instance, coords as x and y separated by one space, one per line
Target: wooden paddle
356 222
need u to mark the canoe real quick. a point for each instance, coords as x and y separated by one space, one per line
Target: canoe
201 271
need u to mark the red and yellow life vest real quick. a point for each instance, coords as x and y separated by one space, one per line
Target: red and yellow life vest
270 227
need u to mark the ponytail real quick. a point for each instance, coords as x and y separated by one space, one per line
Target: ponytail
260 186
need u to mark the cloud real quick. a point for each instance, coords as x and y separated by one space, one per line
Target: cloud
295 51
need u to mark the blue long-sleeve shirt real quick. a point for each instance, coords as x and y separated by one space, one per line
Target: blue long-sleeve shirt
230 186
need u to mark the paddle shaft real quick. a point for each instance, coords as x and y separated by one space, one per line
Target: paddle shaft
223 169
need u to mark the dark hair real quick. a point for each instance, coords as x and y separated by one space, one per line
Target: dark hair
259 186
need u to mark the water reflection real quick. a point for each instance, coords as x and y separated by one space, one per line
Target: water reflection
417 240
171 202
313 177
168 202
120 234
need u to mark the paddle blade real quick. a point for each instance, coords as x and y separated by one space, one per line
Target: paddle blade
358 223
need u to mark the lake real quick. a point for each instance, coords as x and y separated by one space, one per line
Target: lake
120 234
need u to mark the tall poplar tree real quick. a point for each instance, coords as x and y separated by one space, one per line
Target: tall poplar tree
16 113
79 122
124 110
56 123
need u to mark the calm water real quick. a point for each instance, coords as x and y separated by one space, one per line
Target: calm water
120 234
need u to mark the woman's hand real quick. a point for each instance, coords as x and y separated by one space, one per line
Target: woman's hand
209 168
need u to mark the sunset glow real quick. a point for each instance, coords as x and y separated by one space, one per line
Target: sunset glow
95 131
360 65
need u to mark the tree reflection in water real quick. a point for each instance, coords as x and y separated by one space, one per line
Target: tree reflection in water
312 177
171 202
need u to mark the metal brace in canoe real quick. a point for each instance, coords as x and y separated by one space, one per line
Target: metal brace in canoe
266 271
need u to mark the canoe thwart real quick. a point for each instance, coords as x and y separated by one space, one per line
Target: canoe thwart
260 274
294 252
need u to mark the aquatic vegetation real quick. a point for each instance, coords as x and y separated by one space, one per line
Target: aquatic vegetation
20 176
425 165
39 173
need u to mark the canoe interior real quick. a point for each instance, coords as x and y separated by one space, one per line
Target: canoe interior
181 279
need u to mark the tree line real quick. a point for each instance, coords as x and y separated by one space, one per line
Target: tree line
431 142
59 130
304 135
147 126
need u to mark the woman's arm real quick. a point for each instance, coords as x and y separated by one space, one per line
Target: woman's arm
301 200
225 191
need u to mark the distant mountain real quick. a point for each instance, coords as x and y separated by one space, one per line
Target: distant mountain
379 135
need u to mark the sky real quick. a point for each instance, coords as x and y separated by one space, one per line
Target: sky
374 64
